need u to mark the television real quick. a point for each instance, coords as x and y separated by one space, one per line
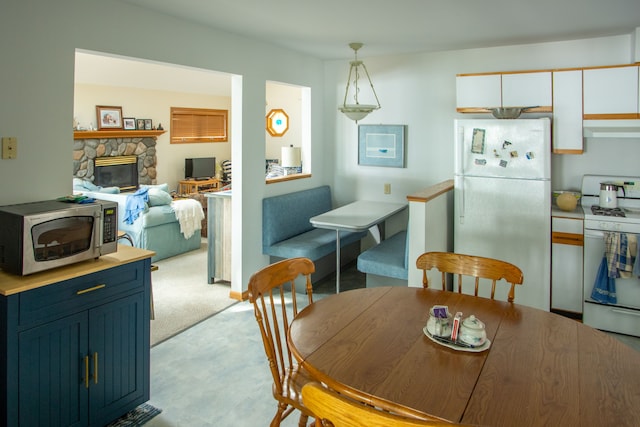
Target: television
200 168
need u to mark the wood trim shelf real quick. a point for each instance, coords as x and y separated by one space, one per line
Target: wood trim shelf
106 134
287 178
432 192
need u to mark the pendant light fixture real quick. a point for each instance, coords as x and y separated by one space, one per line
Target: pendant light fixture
357 111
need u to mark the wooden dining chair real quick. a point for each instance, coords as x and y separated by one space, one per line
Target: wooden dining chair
468 265
336 410
268 289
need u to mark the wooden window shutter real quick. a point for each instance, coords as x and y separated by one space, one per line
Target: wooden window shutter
198 125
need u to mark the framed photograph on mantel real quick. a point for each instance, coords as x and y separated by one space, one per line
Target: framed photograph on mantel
129 123
381 145
109 117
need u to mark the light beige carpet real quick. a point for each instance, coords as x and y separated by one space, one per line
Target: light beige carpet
181 295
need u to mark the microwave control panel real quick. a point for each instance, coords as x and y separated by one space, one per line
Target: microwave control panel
109 224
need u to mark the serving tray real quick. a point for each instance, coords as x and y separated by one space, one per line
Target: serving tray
453 346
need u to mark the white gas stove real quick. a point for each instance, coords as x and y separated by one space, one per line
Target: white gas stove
623 314
625 218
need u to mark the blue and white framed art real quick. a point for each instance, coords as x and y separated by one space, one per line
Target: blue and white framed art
381 145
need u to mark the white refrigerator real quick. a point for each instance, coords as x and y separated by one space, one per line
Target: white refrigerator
503 200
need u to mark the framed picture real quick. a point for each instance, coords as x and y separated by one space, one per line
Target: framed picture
477 141
129 123
140 124
147 124
381 145
109 117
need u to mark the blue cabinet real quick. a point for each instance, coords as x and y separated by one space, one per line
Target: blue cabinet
77 350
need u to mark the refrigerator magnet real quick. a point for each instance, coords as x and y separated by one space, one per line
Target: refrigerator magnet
505 145
530 155
480 162
496 154
477 142
513 154
503 163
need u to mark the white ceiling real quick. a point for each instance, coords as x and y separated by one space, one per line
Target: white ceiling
325 28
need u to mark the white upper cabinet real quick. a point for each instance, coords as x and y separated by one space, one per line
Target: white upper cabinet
526 89
567 112
478 91
611 93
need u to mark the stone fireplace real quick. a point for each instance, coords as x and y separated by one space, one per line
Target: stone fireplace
125 162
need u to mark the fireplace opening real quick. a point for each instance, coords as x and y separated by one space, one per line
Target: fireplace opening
120 171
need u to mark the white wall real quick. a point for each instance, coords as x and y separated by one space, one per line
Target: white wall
289 99
38 40
419 91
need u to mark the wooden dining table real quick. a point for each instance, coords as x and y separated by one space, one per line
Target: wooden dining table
541 369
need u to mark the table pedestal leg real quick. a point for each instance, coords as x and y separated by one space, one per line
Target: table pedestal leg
337 261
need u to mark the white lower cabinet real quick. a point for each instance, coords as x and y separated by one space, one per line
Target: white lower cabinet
566 264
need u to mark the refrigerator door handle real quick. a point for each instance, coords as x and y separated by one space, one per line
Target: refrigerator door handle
459 165
461 201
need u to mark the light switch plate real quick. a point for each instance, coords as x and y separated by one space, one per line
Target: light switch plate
9 147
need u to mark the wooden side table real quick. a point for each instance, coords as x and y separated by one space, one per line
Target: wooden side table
187 186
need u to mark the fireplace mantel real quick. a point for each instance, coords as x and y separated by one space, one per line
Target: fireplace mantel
106 134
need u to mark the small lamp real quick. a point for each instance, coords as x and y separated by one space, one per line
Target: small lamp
357 111
291 159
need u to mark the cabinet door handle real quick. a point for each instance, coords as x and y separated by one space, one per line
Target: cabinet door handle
567 238
86 371
94 288
95 367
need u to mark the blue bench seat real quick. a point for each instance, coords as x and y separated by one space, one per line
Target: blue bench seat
288 233
389 258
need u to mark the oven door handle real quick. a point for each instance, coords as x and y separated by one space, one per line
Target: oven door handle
622 311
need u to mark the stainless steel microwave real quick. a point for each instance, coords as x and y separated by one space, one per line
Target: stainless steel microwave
38 236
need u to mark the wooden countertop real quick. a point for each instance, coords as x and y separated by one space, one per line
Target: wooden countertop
12 284
577 213
432 192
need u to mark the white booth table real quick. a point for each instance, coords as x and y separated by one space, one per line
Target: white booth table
357 216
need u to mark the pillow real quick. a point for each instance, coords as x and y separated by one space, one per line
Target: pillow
109 190
158 197
164 187
84 184
80 184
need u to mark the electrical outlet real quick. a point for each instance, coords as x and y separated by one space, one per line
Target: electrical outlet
387 189
9 147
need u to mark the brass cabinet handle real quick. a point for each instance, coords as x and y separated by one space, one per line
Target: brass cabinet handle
94 288
86 371
567 238
95 367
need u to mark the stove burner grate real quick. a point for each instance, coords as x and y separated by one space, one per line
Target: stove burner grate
597 210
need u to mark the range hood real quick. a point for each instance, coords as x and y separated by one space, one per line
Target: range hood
611 128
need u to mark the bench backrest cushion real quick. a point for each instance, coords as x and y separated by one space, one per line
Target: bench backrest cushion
288 215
